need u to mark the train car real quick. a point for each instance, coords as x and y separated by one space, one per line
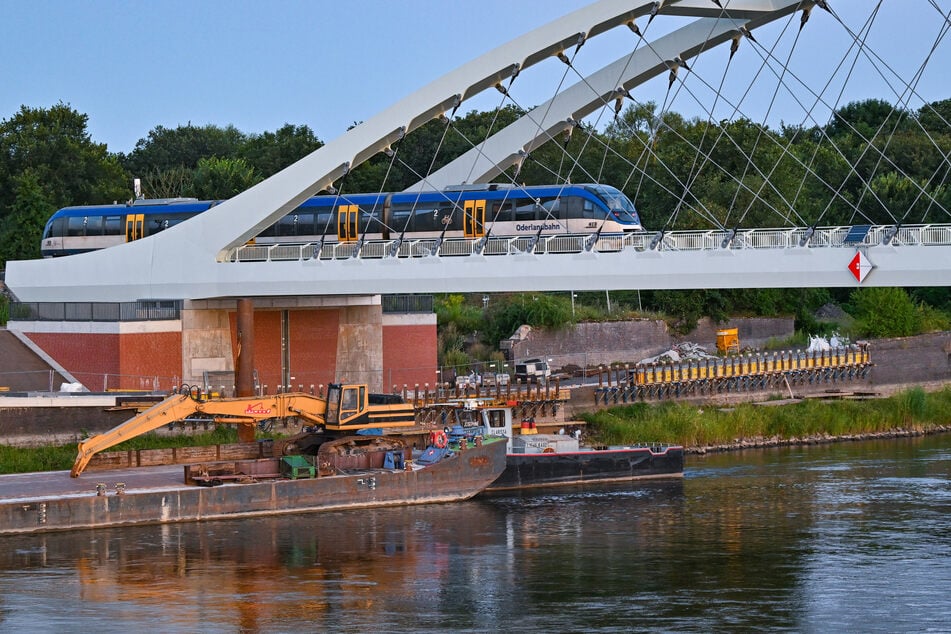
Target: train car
88 228
463 211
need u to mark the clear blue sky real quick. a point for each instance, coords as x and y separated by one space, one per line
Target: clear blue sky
131 66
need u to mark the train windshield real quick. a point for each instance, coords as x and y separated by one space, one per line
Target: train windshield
620 205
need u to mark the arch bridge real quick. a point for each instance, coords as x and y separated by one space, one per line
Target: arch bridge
209 256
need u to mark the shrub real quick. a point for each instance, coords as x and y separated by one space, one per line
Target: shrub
885 312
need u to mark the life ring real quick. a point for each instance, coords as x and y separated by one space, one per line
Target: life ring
439 439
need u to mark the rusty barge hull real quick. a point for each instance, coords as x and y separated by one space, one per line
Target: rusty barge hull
52 501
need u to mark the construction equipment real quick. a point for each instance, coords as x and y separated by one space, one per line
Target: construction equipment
346 409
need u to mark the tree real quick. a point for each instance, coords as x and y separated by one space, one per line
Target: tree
47 155
884 312
270 152
22 230
219 178
184 146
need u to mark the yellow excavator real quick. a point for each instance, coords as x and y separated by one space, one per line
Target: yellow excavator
346 409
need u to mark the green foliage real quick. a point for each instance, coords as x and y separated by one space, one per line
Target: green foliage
884 312
22 230
930 319
687 307
168 148
23 460
454 309
219 178
47 161
506 314
455 359
270 152
692 426
4 309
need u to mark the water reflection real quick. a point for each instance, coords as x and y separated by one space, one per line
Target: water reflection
796 539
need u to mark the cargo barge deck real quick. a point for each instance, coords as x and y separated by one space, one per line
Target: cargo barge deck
51 501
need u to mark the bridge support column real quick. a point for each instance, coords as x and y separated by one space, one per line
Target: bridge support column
360 345
244 360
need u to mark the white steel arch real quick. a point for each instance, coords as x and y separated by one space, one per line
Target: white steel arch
193 260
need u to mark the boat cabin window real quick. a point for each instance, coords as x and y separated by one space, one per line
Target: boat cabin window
468 418
496 418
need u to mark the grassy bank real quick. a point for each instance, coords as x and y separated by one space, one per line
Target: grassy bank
58 458
693 426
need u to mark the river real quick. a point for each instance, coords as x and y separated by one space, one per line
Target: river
847 537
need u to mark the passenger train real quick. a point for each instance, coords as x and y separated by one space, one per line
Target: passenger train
463 211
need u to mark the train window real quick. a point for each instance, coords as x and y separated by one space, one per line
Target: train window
500 212
270 232
287 226
401 216
426 220
58 230
444 217
371 221
305 224
551 207
325 223
153 226
94 225
587 209
76 226
113 226
525 210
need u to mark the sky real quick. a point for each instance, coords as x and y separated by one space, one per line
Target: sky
132 66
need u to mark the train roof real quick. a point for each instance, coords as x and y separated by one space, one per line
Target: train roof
490 191
166 205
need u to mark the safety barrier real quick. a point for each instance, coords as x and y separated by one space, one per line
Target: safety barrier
711 240
740 373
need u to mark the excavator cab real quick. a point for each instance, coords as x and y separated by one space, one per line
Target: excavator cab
346 406
352 407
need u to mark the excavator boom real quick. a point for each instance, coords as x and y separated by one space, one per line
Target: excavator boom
239 410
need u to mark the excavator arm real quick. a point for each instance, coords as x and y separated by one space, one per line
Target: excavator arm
239 410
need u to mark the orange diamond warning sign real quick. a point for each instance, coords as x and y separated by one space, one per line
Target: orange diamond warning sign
860 266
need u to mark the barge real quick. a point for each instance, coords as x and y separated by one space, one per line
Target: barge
541 460
348 473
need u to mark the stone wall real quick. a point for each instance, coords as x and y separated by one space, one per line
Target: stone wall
591 344
919 359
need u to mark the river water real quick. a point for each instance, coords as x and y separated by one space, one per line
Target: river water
849 537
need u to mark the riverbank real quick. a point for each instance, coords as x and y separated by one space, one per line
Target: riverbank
818 439
705 427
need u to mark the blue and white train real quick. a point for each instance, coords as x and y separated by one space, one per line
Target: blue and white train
464 211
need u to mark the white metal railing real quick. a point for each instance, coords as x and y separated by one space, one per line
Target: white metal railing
776 238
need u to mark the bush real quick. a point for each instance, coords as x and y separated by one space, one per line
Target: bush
884 312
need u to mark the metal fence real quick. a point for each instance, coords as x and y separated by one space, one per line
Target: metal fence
690 240
143 310
407 303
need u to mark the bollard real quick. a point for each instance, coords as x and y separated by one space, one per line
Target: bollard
100 489
120 488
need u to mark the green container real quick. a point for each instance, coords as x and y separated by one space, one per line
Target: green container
295 467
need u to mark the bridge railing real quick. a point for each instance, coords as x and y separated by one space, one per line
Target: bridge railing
710 240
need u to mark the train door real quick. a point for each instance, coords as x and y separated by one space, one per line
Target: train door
134 224
473 225
347 223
